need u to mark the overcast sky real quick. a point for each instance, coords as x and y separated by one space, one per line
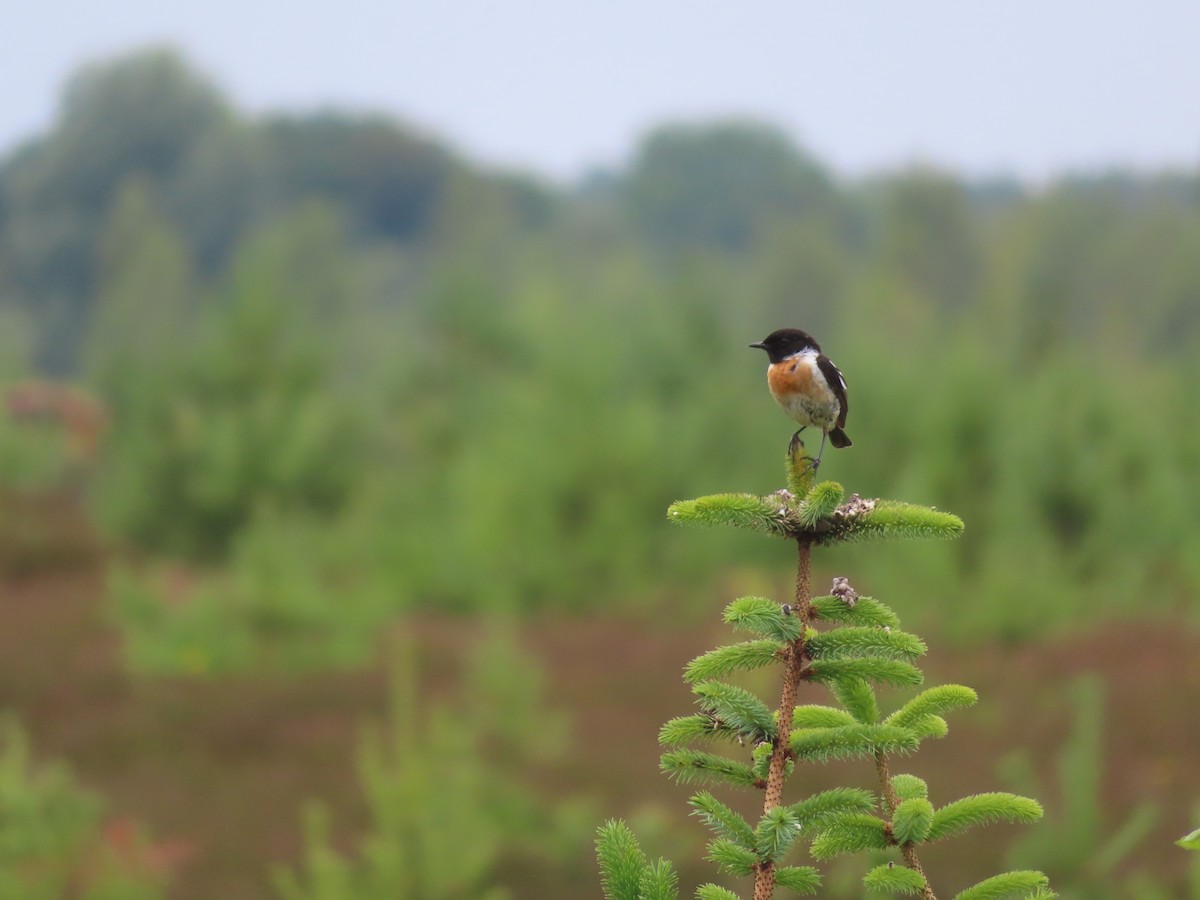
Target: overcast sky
982 86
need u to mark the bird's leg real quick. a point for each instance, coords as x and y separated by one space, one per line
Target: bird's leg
795 441
816 462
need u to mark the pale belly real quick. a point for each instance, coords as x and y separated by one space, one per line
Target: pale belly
803 409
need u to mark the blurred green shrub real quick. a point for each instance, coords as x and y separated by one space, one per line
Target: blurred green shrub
52 844
291 596
455 790
1086 858
32 455
233 408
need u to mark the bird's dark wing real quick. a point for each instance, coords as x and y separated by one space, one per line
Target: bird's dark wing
838 383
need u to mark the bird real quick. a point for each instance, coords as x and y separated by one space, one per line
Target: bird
807 385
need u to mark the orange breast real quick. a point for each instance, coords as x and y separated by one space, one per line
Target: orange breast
789 377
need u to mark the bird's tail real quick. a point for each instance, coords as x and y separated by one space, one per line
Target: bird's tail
839 438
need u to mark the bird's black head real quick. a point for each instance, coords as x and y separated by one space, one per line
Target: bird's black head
786 341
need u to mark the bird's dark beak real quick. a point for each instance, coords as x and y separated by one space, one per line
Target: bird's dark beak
759 345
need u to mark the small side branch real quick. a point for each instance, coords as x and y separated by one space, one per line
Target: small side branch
908 851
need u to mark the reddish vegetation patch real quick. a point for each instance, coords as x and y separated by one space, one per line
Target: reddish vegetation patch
219 770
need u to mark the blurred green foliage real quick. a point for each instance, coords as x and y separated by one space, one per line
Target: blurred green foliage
452 792
1087 858
52 841
290 596
31 456
330 340
1084 851
229 409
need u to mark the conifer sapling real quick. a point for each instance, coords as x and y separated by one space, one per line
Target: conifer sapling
848 645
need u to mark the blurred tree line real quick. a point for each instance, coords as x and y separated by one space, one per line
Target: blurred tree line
343 361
